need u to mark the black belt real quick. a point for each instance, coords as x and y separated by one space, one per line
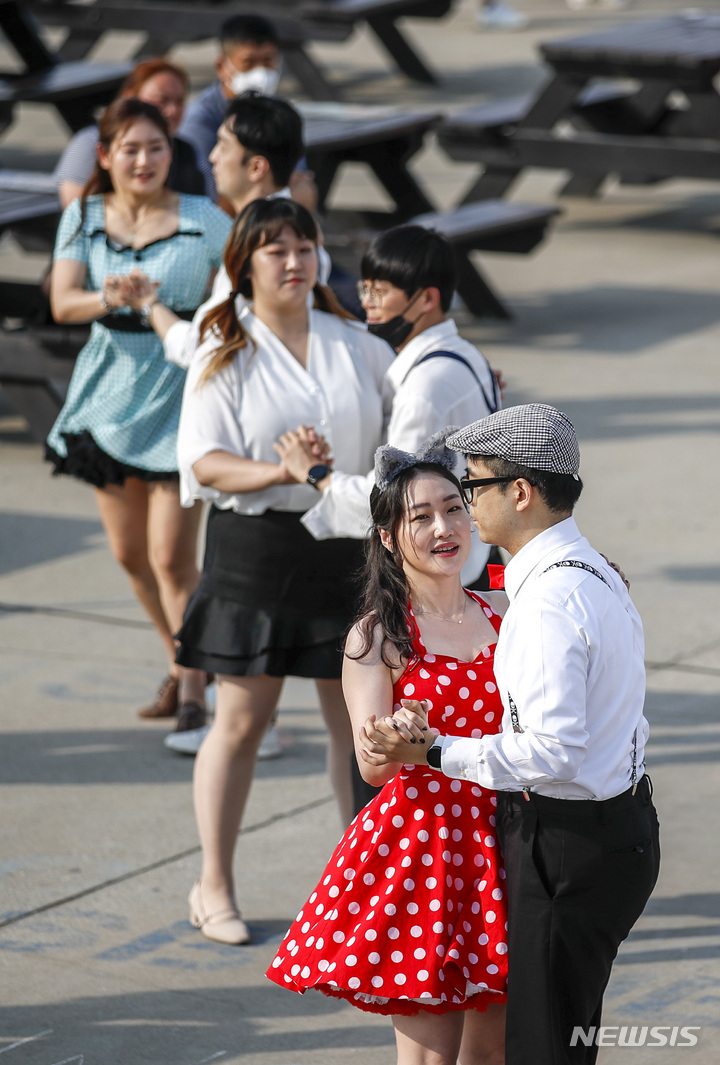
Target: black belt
588 809
134 323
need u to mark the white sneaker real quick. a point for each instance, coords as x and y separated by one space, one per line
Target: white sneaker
500 16
270 746
186 742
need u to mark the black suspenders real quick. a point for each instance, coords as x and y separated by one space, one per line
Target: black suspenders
514 717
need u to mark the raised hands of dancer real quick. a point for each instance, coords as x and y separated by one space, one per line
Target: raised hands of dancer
141 290
300 449
117 291
404 737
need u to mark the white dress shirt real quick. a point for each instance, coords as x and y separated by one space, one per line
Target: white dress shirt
425 399
182 338
569 662
265 391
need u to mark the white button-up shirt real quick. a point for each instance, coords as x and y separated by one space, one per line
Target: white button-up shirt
265 391
425 399
569 663
182 338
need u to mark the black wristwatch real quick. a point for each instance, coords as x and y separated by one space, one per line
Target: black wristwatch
434 754
317 473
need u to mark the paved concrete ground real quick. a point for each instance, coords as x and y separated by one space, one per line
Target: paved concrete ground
618 322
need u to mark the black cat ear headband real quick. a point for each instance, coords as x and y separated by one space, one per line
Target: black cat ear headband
391 461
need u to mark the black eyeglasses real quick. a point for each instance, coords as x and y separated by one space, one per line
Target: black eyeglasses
469 484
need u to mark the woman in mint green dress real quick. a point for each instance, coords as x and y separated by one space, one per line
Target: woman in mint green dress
118 428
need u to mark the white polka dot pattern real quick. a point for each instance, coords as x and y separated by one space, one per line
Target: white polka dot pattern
439 933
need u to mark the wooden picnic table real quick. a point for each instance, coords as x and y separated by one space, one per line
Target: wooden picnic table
168 23
385 140
381 17
76 90
588 120
165 23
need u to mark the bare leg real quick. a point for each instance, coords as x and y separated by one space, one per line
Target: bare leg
124 513
340 744
224 769
483 1041
428 1038
172 548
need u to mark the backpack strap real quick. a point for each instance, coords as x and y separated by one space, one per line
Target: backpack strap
492 403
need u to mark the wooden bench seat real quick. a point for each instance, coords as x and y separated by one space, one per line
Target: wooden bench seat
487 133
493 122
491 225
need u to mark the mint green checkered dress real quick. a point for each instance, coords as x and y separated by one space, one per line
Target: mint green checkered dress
123 392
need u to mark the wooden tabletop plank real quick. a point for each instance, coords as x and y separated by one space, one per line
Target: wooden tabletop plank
687 42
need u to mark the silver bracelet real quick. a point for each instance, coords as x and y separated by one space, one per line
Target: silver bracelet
104 300
146 312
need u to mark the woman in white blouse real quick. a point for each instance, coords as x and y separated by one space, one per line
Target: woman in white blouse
272 600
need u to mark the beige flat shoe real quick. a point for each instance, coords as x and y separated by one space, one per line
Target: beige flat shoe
225 926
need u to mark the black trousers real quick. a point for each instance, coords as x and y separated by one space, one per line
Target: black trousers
578 877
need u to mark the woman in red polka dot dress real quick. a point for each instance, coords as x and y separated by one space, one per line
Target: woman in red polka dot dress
409 918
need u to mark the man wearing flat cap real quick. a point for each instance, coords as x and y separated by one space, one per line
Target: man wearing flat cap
575 815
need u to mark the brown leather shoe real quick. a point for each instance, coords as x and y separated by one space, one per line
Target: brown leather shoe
166 700
190 716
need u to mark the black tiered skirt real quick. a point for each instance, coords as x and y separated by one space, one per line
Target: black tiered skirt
271 599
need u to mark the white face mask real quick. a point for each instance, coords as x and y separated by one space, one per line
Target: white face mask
262 79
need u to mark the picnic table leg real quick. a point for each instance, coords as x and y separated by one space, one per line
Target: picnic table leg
77 44
552 102
6 116
324 166
39 404
81 113
388 162
475 292
20 29
406 57
492 184
309 74
583 185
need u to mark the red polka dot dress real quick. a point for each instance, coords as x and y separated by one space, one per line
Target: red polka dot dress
410 913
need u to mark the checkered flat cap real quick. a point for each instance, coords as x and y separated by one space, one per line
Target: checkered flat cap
534 435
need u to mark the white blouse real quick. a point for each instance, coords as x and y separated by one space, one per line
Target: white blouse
265 391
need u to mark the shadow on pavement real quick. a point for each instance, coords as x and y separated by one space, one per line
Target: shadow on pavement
607 319
130 756
186 1027
31 539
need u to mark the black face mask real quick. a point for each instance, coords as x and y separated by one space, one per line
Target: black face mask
398 329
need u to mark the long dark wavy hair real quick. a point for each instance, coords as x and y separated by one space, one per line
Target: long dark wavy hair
259 223
386 593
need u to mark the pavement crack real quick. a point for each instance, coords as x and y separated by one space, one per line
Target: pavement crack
160 864
681 667
75 615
